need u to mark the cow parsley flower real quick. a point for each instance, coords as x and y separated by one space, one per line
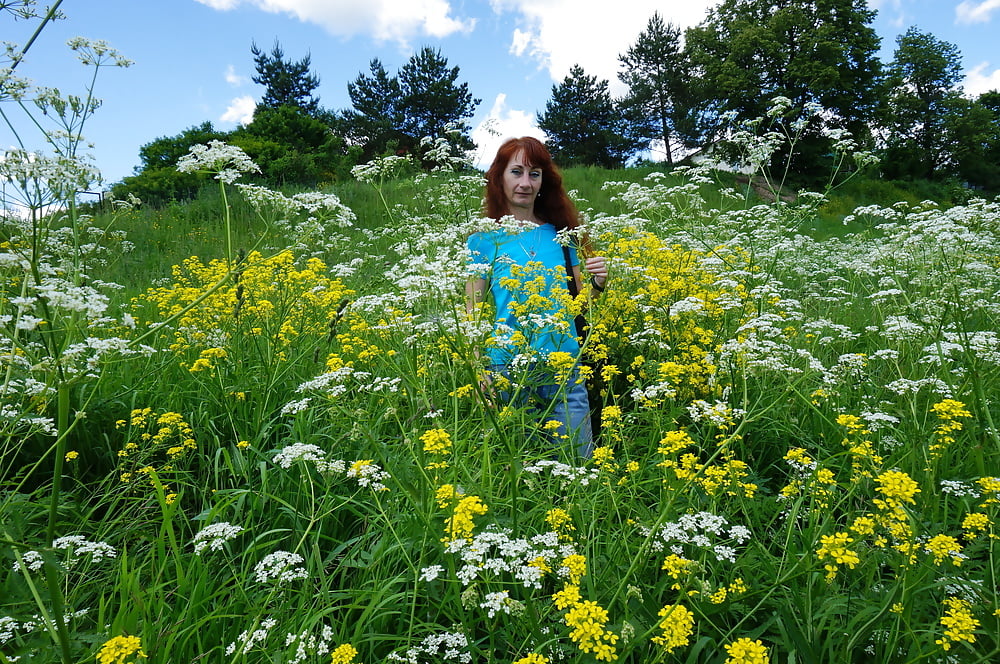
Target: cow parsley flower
280 566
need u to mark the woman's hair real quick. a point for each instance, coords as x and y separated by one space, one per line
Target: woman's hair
552 204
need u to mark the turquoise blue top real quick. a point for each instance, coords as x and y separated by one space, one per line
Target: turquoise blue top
547 328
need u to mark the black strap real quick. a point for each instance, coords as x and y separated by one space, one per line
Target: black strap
581 322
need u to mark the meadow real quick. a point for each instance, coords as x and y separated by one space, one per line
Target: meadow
252 428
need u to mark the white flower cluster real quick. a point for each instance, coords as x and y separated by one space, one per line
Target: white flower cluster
494 553
337 383
446 646
214 536
280 566
9 627
702 530
77 546
304 452
307 644
249 638
367 474
569 475
228 162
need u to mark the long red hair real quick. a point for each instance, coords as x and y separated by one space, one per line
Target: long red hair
552 204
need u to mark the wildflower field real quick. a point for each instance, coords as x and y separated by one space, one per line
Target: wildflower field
281 451
276 445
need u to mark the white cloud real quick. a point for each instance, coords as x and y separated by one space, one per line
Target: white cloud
500 124
384 20
240 110
560 33
968 12
234 79
978 80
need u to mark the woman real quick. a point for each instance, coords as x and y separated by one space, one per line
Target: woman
526 278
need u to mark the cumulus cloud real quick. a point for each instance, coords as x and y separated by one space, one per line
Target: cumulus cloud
978 80
240 110
234 79
968 12
557 34
502 123
384 20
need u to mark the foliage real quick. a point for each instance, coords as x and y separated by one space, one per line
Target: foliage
286 83
394 113
824 52
657 77
582 123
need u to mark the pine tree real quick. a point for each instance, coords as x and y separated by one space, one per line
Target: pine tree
582 123
286 83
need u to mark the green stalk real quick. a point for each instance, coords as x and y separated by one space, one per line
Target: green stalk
51 574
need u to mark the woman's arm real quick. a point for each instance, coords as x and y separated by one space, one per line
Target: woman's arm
474 290
597 268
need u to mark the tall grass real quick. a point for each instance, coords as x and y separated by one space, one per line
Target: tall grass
274 443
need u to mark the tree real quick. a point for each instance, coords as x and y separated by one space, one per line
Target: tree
286 83
655 71
747 52
433 101
292 147
376 121
583 125
164 152
396 112
923 79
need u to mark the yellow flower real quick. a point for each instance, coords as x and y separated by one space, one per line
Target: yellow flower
343 654
897 487
568 596
119 648
676 627
243 444
460 525
72 455
576 566
834 548
532 658
944 546
436 441
958 622
745 651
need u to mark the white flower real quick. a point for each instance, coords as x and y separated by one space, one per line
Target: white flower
214 536
281 566
228 162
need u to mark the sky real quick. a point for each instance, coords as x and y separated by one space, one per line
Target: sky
192 60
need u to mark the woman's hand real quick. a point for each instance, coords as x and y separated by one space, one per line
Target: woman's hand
597 268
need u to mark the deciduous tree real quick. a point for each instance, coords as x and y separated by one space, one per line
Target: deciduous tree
747 52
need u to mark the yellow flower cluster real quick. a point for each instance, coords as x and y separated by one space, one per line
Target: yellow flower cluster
460 524
437 442
118 649
265 297
587 620
864 460
676 625
746 651
560 522
532 658
834 550
948 411
343 654
659 278
958 622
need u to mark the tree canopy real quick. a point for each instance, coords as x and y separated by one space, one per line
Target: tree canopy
583 125
286 83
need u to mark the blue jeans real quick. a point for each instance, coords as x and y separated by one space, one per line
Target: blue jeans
566 403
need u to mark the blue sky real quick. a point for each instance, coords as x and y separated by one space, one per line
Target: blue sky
193 63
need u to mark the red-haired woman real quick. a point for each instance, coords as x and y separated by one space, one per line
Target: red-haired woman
525 276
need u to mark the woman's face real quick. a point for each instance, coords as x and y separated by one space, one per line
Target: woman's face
521 184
